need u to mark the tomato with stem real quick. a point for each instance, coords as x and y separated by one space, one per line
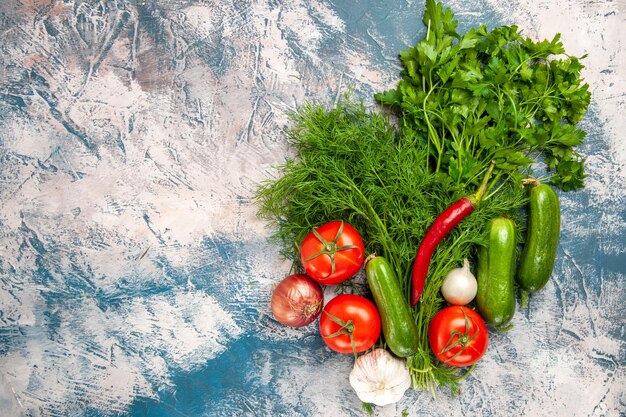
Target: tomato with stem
332 253
458 336
350 324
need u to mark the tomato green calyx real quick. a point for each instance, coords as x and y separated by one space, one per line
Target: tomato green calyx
330 248
463 339
347 327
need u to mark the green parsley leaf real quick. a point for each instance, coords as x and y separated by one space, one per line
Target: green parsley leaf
492 94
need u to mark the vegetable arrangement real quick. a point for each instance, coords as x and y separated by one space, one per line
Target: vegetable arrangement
445 185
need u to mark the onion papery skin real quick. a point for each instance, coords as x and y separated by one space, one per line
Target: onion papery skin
297 300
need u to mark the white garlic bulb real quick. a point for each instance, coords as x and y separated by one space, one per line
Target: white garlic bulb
459 287
380 378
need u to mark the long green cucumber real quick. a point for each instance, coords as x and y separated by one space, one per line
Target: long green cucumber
396 318
542 238
495 273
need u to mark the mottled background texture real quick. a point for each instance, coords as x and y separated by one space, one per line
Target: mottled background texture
134 274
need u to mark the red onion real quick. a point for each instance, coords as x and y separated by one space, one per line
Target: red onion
297 300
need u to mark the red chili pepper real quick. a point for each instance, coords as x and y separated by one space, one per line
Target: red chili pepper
440 228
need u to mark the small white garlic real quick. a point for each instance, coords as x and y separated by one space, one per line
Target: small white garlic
459 287
380 378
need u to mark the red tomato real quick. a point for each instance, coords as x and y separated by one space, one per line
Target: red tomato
332 253
350 316
458 336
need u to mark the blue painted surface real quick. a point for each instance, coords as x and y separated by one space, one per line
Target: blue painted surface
134 275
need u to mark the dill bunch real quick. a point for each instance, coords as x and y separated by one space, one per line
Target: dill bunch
354 165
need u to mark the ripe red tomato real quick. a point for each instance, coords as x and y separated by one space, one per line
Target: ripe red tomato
350 316
332 253
458 336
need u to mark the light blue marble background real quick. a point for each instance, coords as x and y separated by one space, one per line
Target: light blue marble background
134 275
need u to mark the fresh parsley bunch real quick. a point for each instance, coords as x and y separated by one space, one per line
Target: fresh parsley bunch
492 95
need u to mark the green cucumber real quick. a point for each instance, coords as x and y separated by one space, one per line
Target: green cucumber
496 273
542 238
396 318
